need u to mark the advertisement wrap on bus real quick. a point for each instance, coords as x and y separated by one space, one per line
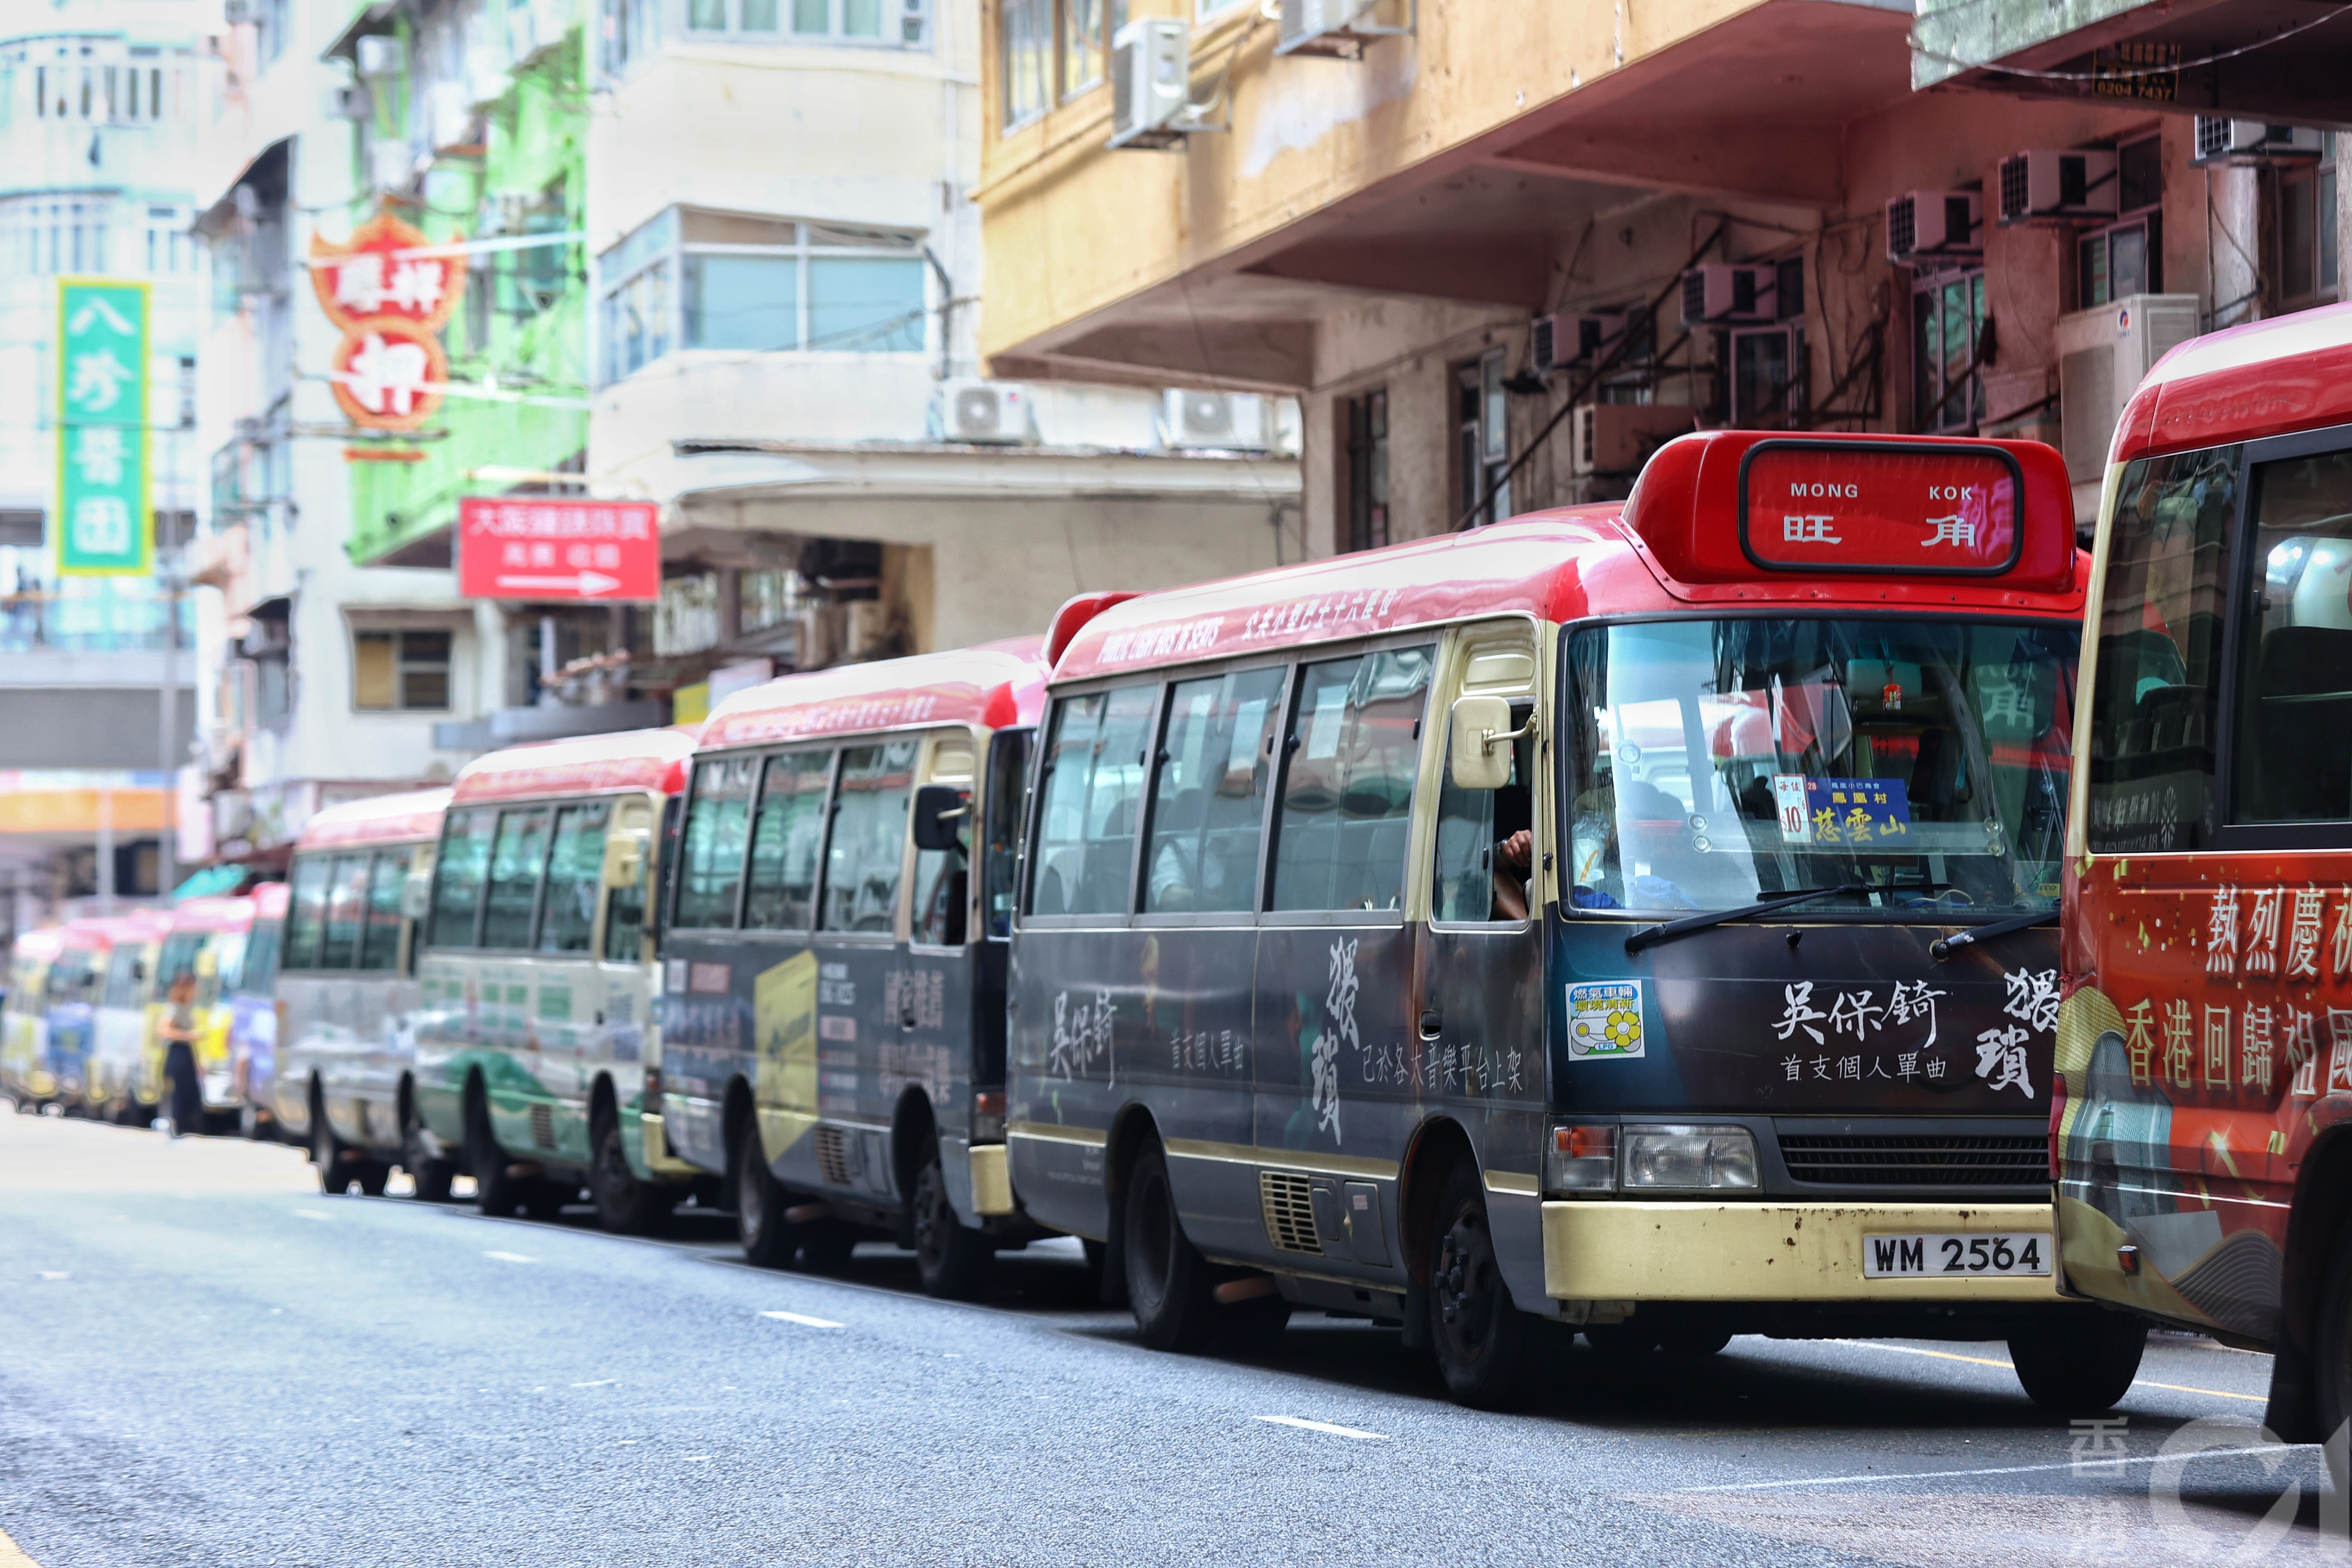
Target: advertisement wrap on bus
1637 916
208 943
833 1022
537 976
253 1014
345 1046
2203 1137
23 1023
128 979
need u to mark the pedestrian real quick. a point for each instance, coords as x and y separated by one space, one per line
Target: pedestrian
179 1031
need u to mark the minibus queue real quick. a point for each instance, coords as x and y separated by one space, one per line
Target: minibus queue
1637 919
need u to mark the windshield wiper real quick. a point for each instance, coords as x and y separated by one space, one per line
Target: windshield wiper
1650 936
1944 947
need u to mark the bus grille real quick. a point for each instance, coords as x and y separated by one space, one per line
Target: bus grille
543 1124
1288 1199
1960 1160
833 1156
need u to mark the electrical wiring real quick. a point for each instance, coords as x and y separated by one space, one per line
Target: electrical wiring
1919 49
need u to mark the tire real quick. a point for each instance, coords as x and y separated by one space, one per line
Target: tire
1482 1339
2331 1357
624 1204
500 1195
328 1152
433 1174
953 1259
2082 1366
1693 1340
1166 1282
769 1239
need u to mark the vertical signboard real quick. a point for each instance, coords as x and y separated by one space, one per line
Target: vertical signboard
104 523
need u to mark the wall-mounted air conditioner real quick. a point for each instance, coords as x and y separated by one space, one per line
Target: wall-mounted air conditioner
1731 294
1335 29
986 413
1933 223
2046 184
1571 341
1618 437
1152 84
1226 421
2103 355
2225 143
376 54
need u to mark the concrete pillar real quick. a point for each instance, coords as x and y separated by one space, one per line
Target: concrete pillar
2234 219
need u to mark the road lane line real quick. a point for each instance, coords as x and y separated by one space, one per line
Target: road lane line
2070 1465
310 1214
803 1320
599 1382
57 1273
13 1555
2011 1367
511 1257
1305 1425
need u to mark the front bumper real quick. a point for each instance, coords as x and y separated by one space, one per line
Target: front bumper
1616 1251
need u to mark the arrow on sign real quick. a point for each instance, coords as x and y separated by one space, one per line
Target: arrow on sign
587 585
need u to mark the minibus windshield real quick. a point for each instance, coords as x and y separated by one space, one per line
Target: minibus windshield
1713 763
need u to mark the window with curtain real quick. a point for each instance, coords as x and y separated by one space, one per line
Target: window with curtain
1207 800
1351 752
1093 790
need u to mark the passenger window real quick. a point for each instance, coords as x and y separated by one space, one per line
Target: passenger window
1483 872
1093 786
624 907
380 936
943 876
575 875
713 871
869 837
306 914
2294 761
785 842
260 973
457 882
1208 803
346 907
517 858
1008 767
1353 749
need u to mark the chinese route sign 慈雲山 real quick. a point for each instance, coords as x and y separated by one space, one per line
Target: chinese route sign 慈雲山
104 523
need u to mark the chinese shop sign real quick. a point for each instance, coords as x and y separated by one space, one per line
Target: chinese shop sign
390 304
104 524
602 551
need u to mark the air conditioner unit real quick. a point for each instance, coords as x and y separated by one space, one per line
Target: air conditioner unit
1152 84
2046 184
1618 437
987 414
1933 223
1731 294
2225 143
376 54
1335 29
1217 421
1574 341
2103 355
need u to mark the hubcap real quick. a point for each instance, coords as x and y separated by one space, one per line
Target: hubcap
1459 1281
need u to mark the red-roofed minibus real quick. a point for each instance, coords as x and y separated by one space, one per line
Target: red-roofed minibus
536 1034
339 1078
2204 1145
832 1035
1632 915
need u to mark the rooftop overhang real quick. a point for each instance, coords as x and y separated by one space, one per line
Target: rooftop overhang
1752 107
2283 61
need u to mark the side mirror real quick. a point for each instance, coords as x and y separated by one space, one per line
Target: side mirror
940 811
416 895
1481 745
624 858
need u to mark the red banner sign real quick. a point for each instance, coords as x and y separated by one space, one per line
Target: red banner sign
601 551
1811 506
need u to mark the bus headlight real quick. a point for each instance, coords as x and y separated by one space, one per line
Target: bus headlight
1689 1158
1580 1158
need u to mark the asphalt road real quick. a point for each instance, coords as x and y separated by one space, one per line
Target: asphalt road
203 1360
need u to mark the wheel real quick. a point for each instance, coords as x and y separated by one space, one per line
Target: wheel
2331 1358
953 1259
623 1204
370 1175
1482 1338
433 1174
1693 1338
2083 1365
1167 1283
769 1239
499 1195
336 1170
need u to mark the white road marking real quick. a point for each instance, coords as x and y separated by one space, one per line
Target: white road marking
511 1257
599 1382
695 1458
2000 1470
2011 1367
56 1274
310 1213
1306 1425
804 1322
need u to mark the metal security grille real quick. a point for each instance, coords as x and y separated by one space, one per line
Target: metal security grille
833 1156
2016 177
1694 296
543 1125
1289 1203
1983 1160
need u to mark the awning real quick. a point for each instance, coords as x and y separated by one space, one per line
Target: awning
209 882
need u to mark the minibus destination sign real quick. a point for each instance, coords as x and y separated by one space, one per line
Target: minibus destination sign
1811 506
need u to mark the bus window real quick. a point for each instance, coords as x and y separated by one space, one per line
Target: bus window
2159 658
575 875
1347 791
1008 766
380 923
869 837
178 957
457 877
125 970
713 872
258 972
306 914
1086 825
2293 759
346 908
1472 824
625 922
1209 800
517 858
943 876
786 840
